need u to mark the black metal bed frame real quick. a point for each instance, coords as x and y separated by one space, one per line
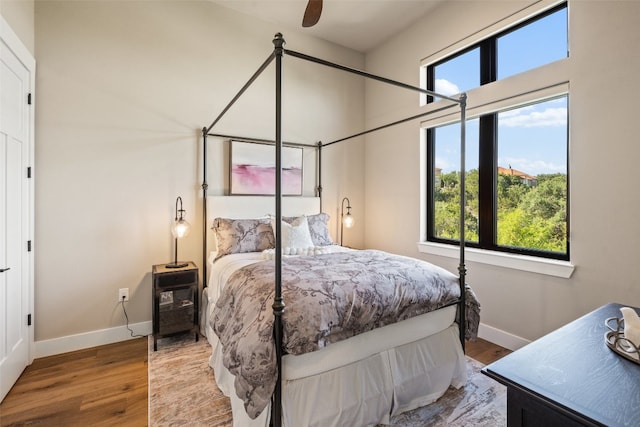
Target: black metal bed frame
278 302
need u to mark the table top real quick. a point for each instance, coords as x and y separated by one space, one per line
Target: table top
162 268
572 367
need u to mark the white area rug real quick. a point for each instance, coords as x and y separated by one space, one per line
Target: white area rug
182 391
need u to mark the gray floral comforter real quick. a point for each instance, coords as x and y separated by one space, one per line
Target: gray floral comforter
328 298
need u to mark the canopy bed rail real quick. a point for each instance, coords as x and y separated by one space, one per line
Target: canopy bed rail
261 140
253 78
278 306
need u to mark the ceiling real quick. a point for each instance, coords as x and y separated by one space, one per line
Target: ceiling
357 24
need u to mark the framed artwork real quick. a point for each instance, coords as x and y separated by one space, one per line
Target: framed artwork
166 298
253 165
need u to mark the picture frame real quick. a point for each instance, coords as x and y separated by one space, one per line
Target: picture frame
166 298
252 169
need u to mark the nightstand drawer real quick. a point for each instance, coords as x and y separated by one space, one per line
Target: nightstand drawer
171 280
177 320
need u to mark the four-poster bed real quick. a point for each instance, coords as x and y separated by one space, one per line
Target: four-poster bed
388 360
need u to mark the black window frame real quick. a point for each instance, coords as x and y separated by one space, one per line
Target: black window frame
488 151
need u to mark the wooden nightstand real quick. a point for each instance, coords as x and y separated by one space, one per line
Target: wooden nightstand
174 301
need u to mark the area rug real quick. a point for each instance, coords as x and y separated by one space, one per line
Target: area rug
182 392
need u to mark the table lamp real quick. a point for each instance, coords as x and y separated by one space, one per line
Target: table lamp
180 228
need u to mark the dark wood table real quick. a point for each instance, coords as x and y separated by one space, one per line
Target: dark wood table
571 378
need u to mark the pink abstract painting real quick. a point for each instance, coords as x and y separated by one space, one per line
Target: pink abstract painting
253 169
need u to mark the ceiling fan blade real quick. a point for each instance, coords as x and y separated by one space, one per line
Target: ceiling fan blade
312 13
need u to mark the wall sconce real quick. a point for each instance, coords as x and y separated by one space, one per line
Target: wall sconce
179 229
346 220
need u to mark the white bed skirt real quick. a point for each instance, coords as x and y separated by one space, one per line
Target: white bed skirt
361 383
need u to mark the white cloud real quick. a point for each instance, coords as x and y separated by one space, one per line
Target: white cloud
445 87
527 117
532 167
443 164
517 112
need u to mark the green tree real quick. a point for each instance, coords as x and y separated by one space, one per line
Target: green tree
447 206
510 191
529 216
549 197
538 221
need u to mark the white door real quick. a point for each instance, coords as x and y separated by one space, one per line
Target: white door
16 267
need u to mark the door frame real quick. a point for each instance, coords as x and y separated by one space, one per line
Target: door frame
10 38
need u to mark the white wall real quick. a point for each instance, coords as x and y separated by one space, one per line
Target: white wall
123 91
603 159
19 16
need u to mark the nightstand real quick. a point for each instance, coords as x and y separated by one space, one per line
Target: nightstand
174 301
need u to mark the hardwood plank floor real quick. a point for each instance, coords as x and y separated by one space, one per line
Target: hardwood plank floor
484 351
108 385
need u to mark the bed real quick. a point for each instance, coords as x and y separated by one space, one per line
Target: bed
359 378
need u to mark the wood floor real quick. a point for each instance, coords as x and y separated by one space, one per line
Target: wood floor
107 385
485 352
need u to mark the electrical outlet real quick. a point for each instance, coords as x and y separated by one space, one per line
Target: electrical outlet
123 294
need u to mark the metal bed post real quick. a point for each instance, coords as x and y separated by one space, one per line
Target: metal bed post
205 186
462 271
319 171
278 303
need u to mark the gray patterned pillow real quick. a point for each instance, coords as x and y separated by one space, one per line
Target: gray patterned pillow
242 235
318 228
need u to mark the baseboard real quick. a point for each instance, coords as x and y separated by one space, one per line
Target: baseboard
502 338
69 343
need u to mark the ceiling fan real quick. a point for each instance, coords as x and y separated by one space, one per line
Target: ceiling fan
312 13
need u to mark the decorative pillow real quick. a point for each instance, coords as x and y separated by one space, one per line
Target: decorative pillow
318 228
295 234
242 235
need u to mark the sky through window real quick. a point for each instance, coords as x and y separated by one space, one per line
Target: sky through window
532 138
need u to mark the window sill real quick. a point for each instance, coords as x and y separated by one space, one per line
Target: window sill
549 267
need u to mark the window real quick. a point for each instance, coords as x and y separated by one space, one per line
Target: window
458 74
531 204
517 155
446 177
532 44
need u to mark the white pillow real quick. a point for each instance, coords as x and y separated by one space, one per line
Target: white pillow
295 234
